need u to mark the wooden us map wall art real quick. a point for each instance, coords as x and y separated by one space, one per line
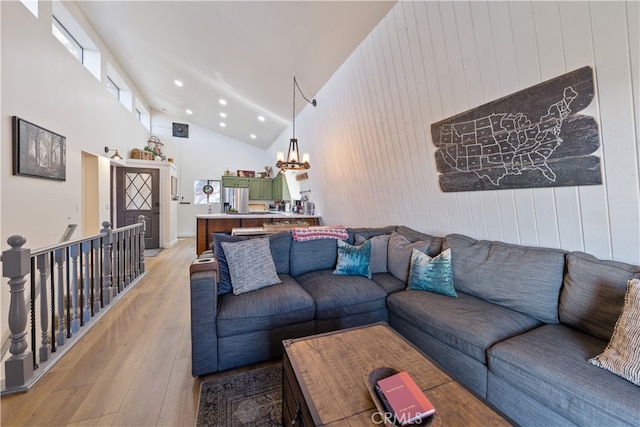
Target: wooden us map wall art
532 138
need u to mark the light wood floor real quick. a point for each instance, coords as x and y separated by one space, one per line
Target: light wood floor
133 367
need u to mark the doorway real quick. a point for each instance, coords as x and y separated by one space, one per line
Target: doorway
138 193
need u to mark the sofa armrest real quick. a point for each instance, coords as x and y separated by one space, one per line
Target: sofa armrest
204 337
206 264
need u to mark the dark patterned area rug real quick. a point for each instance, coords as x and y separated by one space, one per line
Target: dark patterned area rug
251 398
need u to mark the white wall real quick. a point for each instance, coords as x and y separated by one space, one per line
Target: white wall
44 84
372 158
204 155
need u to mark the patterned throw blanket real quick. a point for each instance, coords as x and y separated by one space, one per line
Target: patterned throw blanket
315 233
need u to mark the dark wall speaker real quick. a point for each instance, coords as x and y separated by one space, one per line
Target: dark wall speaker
181 130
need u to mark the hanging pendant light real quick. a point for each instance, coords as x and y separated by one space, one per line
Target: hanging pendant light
293 161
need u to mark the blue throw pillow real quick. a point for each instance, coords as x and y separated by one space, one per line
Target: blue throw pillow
431 274
353 260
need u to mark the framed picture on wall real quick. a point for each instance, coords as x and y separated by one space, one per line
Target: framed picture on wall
38 152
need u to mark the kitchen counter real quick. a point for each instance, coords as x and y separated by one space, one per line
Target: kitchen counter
206 224
279 215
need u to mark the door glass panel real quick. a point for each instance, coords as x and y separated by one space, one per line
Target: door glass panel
137 188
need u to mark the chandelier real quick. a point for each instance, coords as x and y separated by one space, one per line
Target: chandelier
293 161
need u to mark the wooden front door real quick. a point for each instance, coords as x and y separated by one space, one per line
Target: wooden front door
137 193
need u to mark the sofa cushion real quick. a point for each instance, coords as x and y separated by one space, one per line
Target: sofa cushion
368 232
267 308
353 260
251 265
593 293
549 363
388 282
279 245
399 254
431 274
312 255
467 323
379 245
339 296
622 355
435 243
523 278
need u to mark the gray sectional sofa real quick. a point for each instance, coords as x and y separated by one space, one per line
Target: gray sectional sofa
518 335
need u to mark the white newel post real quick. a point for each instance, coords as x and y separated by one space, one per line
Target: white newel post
141 236
61 335
107 240
43 267
16 264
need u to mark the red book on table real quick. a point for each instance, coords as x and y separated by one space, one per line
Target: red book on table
405 399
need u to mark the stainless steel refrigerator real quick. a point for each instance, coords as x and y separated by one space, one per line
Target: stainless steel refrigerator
237 198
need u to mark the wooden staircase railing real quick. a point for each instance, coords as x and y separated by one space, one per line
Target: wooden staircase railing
73 284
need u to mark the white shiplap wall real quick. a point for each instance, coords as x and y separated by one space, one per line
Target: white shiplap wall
372 156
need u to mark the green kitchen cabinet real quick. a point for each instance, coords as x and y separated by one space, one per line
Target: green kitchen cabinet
260 189
235 182
279 189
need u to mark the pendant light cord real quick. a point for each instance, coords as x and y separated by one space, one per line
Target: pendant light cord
312 102
295 84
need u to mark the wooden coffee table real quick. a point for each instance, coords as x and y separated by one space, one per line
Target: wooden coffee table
324 380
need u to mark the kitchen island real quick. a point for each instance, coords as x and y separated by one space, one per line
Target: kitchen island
225 223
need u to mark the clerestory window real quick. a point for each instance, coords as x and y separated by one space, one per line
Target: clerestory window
113 88
67 40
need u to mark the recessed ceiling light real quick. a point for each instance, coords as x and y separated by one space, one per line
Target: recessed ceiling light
261 118
222 102
222 124
178 83
253 136
223 115
188 111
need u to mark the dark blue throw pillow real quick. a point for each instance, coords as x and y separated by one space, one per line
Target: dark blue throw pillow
224 284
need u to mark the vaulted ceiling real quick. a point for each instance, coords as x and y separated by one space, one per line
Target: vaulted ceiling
245 52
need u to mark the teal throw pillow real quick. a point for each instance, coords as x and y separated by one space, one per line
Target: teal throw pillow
431 274
353 260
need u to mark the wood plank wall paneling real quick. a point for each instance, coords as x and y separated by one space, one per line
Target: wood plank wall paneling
370 135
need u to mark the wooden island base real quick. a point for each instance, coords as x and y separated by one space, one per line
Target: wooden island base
225 223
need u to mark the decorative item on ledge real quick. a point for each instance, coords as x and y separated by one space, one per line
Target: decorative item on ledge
154 146
293 155
139 154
